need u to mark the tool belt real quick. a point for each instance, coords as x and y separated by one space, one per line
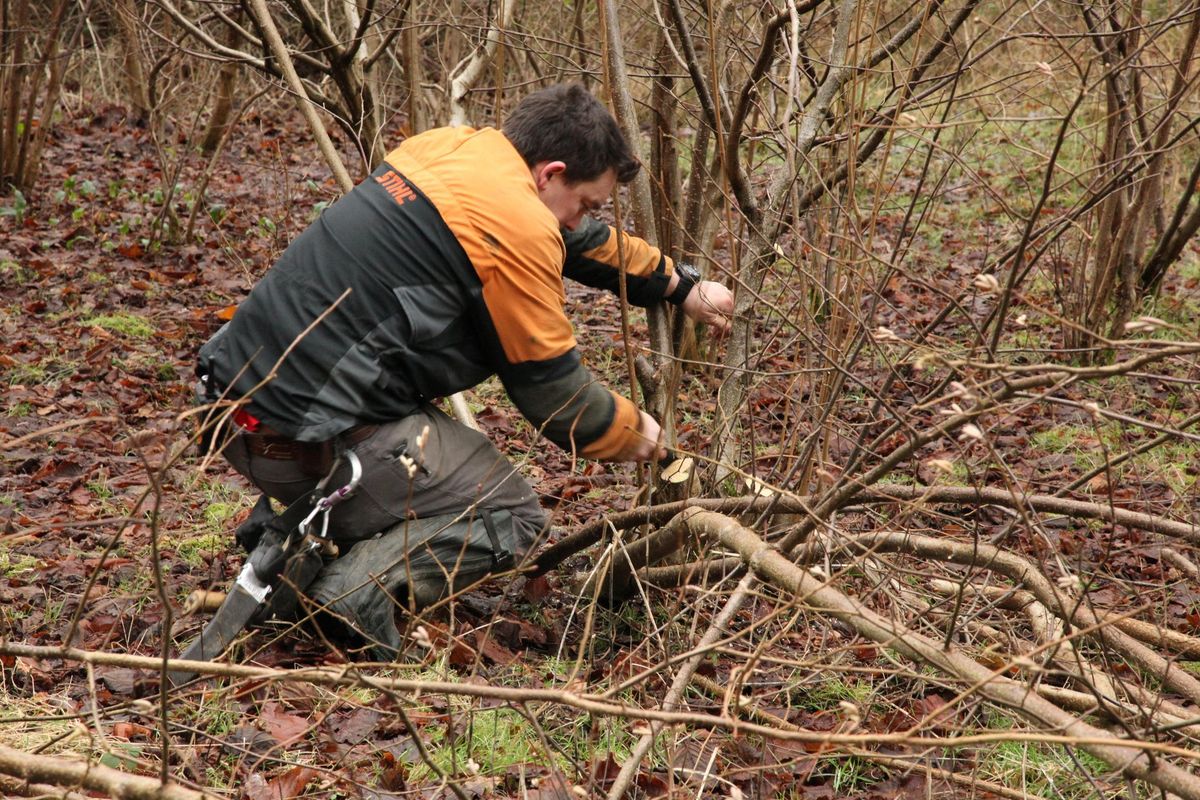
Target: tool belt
313 458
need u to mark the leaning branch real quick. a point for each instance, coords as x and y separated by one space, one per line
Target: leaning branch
279 50
358 675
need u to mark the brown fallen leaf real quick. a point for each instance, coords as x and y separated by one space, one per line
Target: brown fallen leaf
290 784
284 727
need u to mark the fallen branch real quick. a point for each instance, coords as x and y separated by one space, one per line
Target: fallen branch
9 444
683 678
355 675
1130 758
560 551
62 772
641 553
1148 632
1149 704
14 787
719 691
1180 561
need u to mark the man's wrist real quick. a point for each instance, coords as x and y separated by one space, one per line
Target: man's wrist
688 276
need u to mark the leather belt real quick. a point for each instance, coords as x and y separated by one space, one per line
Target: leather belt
266 443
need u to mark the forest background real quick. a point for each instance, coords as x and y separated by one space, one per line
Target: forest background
941 534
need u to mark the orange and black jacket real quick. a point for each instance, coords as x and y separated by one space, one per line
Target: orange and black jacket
440 270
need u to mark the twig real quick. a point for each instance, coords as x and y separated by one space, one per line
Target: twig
786 503
13 787
718 691
1020 570
324 676
632 764
1180 562
423 751
62 426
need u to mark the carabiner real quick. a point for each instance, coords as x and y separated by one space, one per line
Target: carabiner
323 505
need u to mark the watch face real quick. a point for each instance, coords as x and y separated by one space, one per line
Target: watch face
687 270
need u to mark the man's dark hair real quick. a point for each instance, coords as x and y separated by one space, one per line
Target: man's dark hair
566 123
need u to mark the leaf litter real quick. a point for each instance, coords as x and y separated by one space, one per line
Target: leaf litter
102 329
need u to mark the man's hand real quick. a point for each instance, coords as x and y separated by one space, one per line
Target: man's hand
711 303
645 445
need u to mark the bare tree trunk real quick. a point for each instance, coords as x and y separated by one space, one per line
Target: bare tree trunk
1122 274
222 112
664 160
13 40
414 72
128 21
640 195
763 237
53 67
356 61
466 76
34 55
1152 189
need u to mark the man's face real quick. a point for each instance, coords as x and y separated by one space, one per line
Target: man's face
570 201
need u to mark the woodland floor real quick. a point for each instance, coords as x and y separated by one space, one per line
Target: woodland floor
100 327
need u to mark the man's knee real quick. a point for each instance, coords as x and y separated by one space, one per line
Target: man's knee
415 565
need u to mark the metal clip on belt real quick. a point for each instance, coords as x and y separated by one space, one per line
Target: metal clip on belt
325 504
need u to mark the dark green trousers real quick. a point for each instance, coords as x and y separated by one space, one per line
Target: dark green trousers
437 509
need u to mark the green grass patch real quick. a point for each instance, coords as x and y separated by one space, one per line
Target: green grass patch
21 409
13 273
1174 308
490 742
1080 442
1170 462
221 502
219 514
130 325
140 584
36 722
13 565
846 774
47 372
198 550
1045 770
826 694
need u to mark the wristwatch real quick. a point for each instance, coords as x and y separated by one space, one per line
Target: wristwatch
689 276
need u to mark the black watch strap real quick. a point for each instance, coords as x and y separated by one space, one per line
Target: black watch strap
688 277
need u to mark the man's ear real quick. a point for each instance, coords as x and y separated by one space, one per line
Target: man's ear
543 171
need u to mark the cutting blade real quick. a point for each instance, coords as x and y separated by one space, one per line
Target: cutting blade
239 606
